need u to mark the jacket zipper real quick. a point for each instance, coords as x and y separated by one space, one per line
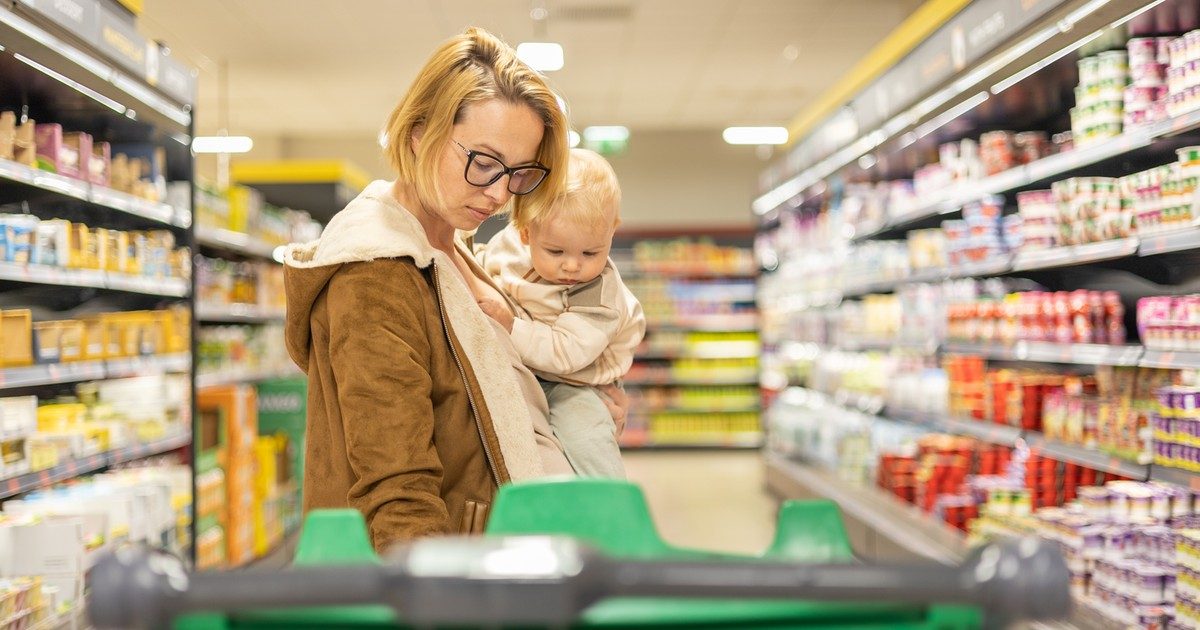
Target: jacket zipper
487 451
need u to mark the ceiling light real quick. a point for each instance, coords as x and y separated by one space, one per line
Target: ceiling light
610 133
541 56
755 135
222 144
573 138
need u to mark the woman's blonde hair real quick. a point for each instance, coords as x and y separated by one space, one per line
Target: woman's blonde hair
470 68
591 197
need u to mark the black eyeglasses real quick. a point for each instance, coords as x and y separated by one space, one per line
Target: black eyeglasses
483 170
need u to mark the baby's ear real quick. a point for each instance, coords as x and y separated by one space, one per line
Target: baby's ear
525 236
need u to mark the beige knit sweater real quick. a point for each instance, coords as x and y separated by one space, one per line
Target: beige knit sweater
583 334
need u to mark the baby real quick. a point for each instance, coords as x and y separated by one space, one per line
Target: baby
580 323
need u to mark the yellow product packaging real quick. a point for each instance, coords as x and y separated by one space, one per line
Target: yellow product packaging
16 337
71 339
57 417
83 248
99 248
47 342
117 251
43 453
95 339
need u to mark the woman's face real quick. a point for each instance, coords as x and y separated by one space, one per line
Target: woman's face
509 131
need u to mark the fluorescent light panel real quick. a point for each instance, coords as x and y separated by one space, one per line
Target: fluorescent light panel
72 83
755 135
222 144
950 114
541 56
1027 72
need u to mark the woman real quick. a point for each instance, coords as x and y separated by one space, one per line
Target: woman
418 406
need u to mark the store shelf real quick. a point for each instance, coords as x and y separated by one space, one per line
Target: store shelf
707 323
1170 359
237 313
1175 476
706 350
1086 457
988 432
236 242
1167 242
747 440
1046 352
29 482
901 523
685 273
99 195
60 276
648 411
55 373
215 379
653 382
1075 254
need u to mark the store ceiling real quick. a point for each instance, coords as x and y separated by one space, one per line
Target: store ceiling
320 68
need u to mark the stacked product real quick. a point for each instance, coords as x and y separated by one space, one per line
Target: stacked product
935 477
92 337
1183 74
241 209
51 536
222 282
1003 150
282 405
1177 427
1100 97
224 349
1121 541
1038 211
1091 209
876 260
229 425
27 240
1062 317
1162 197
692 256
1146 96
134 169
983 233
667 301
1170 322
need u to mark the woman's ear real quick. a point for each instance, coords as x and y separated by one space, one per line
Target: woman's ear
524 236
418 131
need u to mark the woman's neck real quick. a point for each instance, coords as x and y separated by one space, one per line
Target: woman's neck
437 230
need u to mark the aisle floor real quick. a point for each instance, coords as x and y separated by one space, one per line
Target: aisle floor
706 499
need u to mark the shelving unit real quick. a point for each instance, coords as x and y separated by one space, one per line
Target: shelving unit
826 239
96 256
694 381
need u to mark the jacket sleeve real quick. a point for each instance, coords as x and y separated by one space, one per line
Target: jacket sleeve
379 351
573 341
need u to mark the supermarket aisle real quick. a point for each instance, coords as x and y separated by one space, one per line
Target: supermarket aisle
707 499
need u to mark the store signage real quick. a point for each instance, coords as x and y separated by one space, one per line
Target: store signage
112 33
121 41
977 31
81 17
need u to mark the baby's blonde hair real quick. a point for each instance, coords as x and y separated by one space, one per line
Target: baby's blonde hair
591 197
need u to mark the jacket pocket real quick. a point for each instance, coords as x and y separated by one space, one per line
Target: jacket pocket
474 519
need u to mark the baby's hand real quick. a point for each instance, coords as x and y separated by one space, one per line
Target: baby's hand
498 312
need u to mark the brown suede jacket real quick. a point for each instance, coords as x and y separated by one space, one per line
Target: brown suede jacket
411 419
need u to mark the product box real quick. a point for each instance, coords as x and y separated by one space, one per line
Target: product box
75 155
47 342
16 337
52 243
282 410
147 169
100 164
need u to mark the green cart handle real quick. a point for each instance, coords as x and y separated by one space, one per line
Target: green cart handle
548 581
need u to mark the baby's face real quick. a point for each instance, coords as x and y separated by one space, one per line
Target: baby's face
567 253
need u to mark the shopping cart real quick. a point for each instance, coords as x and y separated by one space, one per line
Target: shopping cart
582 554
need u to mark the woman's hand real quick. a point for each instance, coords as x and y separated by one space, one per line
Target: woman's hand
498 312
617 402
